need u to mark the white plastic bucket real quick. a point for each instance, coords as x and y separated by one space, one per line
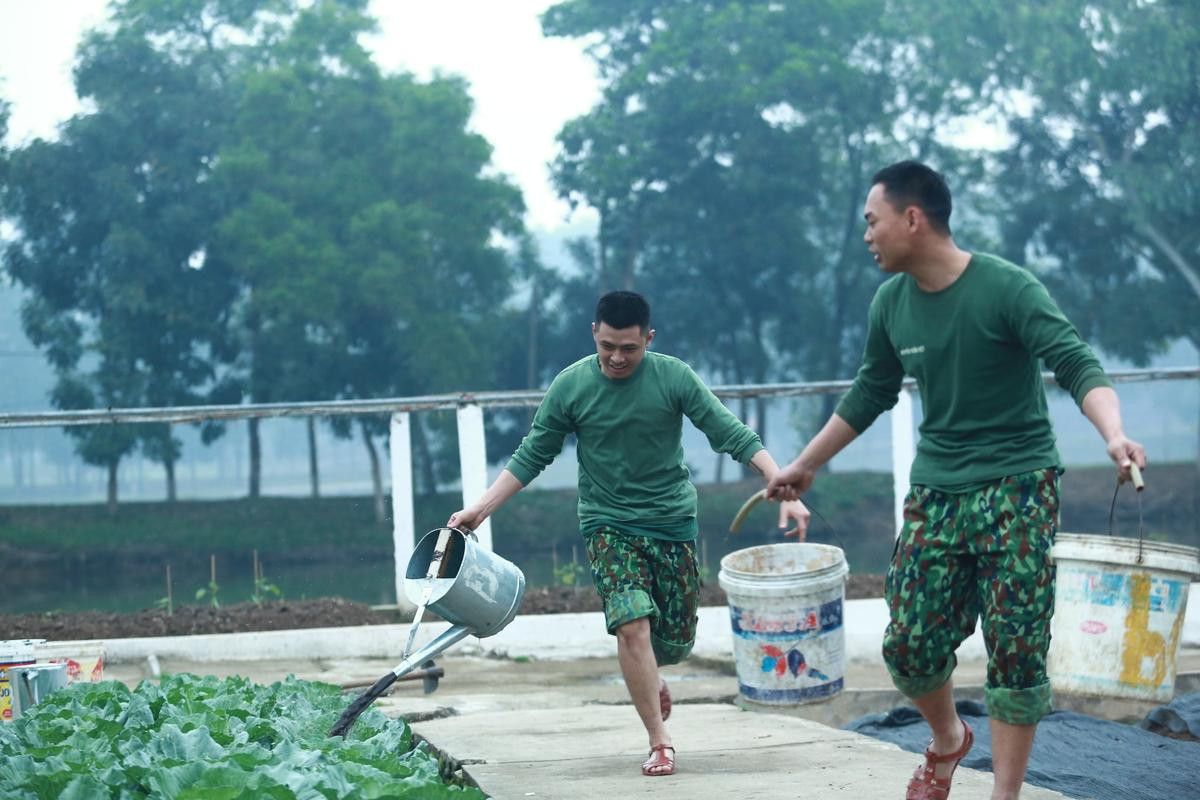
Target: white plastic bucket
84 659
786 606
1117 622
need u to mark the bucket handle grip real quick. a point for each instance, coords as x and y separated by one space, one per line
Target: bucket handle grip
758 497
1135 477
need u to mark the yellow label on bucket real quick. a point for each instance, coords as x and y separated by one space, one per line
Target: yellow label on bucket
6 689
1145 652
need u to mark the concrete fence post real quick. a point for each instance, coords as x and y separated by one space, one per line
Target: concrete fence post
403 522
472 458
904 450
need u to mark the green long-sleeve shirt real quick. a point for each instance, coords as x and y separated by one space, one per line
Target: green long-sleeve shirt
629 443
973 348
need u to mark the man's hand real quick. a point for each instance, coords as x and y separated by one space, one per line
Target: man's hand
790 482
1124 451
794 510
468 519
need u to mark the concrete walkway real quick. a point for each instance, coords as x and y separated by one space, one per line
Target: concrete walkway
722 753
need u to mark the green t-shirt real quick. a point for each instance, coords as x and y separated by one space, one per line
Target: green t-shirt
629 443
973 348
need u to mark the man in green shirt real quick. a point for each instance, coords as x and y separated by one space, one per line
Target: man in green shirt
982 512
637 506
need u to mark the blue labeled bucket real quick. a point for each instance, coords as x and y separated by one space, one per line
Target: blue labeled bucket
786 607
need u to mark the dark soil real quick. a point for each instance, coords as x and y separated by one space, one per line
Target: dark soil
329 612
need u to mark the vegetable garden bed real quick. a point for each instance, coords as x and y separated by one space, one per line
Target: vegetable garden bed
203 738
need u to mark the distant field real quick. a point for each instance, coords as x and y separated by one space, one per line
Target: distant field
76 557
858 504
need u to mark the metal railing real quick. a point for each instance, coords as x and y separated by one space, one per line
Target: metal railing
471 438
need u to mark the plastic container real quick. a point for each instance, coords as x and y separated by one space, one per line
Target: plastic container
1117 620
786 604
84 659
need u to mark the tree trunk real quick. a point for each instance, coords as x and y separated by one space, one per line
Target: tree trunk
760 404
376 478
629 272
744 414
531 355
255 459
425 457
112 489
314 478
169 466
18 466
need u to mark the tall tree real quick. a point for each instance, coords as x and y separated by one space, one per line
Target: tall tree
1101 101
361 228
728 160
112 215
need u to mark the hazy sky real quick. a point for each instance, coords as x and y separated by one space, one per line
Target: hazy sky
525 86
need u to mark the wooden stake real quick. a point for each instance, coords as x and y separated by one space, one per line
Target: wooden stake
574 570
256 570
170 600
212 568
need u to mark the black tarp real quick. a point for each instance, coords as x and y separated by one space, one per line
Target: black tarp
1080 756
1178 716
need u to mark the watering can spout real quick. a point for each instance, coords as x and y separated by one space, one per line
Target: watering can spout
447 638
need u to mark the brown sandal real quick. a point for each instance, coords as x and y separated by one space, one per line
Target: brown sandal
664 699
923 785
659 762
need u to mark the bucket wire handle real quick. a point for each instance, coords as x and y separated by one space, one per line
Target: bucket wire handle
1135 477
759 496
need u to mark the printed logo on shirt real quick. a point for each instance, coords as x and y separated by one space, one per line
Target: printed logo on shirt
912 351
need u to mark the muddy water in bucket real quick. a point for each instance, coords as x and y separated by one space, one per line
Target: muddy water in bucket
786 604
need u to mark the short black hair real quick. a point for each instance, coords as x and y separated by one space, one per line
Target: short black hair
911 183
623 309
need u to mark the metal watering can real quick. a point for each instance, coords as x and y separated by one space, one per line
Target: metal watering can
472 588
31 684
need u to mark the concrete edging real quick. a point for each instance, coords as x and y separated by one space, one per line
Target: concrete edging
543 636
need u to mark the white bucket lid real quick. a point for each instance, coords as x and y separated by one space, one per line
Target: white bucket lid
1124 552
788 560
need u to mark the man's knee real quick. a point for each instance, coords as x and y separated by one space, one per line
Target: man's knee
906 653
635 633
917 664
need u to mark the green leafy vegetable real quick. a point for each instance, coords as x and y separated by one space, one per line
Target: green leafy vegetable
193 738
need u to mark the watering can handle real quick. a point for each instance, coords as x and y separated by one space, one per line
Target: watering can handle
29 676
463 531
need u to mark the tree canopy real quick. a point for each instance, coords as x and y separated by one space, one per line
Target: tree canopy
729 156
251 210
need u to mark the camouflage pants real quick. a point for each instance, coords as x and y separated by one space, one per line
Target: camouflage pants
639 576
960 557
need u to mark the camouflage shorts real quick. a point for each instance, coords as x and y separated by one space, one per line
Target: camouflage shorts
960 557
639 576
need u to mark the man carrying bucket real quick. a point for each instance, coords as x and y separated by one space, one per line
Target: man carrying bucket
637 507
981 515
